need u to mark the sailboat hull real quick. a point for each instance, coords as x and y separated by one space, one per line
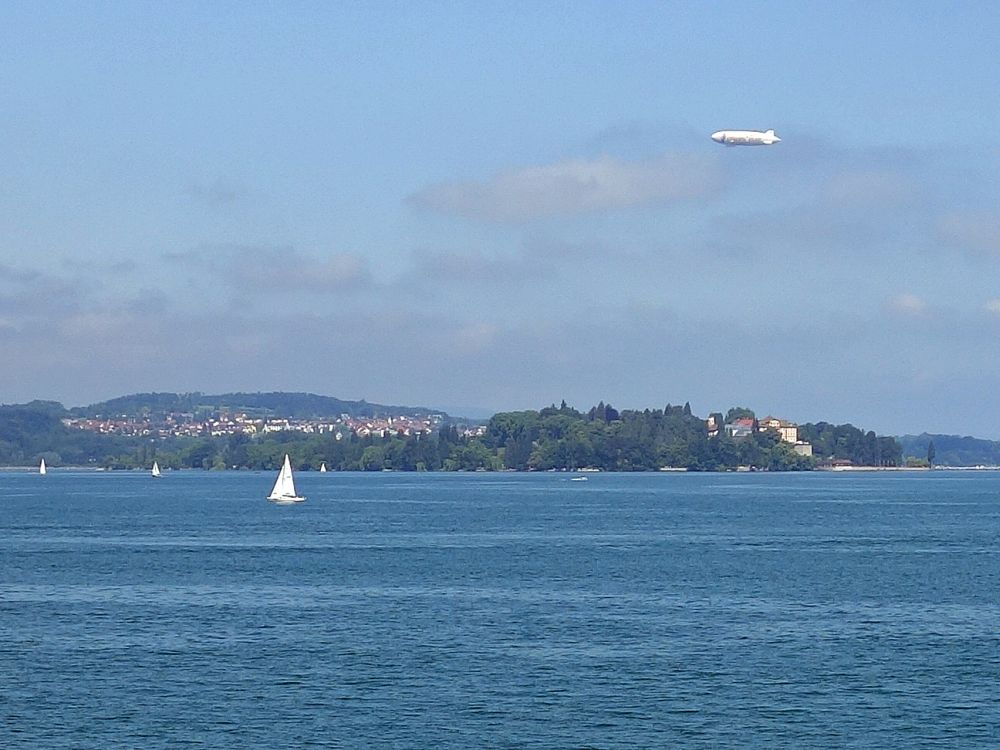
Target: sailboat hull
283 500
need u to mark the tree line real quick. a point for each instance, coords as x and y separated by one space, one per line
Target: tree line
553 438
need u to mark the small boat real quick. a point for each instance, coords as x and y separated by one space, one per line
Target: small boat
41 467
322 468
284 486
156 470
578 479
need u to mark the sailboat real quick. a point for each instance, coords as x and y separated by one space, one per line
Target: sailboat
322 467
284 486
41 467
156 470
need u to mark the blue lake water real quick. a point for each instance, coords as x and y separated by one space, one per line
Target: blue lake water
501 611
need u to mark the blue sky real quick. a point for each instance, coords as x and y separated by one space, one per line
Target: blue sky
503 205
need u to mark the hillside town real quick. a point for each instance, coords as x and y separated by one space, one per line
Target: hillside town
222 424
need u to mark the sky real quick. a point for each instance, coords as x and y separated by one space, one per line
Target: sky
488 206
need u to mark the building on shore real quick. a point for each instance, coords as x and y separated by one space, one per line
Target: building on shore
789 431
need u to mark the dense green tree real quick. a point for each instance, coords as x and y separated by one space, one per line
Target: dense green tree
373 458
739 412
846 442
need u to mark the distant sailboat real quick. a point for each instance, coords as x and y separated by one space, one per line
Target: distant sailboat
41 467
284 486
322 467
156 470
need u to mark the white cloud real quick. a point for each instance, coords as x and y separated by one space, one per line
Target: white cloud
992 306
908 304
575 186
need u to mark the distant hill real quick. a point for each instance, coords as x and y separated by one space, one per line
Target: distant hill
952 450
50 408
35 430
292 405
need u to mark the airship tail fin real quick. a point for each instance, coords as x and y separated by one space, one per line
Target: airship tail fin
770 133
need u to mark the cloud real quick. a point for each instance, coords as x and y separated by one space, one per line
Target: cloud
908 305
806 230
538 258
29 293
870 189
219 192
335 272
824 199
108 267
263 267
622 248
576 186
479 268
474 337
638 139
992 306
12 274
846 210
976 232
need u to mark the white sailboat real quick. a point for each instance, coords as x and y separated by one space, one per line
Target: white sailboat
284 486
41 467
322 467
156 470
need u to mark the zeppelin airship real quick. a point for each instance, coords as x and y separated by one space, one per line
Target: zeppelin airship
745 137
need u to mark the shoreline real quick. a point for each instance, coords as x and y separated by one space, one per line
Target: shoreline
33 469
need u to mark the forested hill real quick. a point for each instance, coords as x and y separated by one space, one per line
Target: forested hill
291 405
952 450
631 440
33 431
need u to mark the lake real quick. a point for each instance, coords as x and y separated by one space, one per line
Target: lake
500 610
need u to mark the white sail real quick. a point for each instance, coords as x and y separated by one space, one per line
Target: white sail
41 467
322 466
284 485
156 469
